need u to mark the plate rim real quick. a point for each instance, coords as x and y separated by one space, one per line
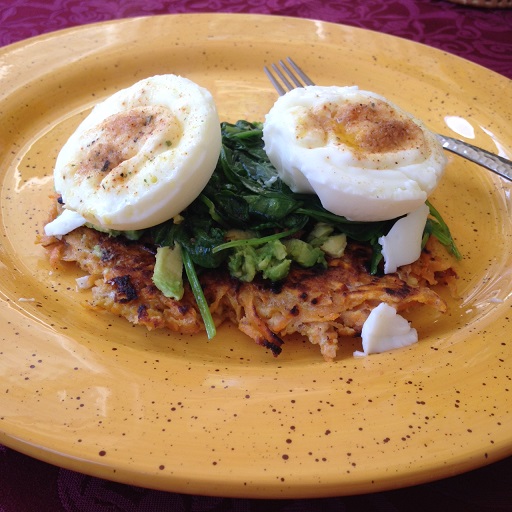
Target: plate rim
149 480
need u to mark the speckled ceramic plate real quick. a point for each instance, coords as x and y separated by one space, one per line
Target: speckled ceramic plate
90 392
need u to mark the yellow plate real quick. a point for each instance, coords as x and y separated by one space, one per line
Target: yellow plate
92 393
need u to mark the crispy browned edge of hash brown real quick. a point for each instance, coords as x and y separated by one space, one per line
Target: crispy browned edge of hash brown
321 304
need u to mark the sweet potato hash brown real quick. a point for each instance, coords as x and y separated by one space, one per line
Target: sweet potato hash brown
322 304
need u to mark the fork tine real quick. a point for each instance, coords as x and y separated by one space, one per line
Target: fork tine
299 71
275 83
293 78
285 74
285 81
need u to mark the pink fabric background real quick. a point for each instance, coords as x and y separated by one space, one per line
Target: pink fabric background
483 36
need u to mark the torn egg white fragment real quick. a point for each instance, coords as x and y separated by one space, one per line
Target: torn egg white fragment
142 155
385 330
365 158
402 245
66 222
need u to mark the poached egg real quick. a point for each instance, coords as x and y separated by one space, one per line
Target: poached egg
139 158
365 158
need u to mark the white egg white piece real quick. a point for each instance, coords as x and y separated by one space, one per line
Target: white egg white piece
402 245
66 222
384 330
142 155
365 158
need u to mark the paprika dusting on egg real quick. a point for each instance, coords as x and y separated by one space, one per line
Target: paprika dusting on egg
366 127
119 138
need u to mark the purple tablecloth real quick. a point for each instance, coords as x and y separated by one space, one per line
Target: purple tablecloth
481 35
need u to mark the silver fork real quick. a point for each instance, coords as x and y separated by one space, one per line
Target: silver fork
285 79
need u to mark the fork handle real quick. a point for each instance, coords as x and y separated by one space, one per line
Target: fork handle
494 163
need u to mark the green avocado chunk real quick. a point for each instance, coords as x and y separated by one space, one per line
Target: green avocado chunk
270 259
303 253
168 272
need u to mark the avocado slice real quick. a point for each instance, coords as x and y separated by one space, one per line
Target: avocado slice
168 272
